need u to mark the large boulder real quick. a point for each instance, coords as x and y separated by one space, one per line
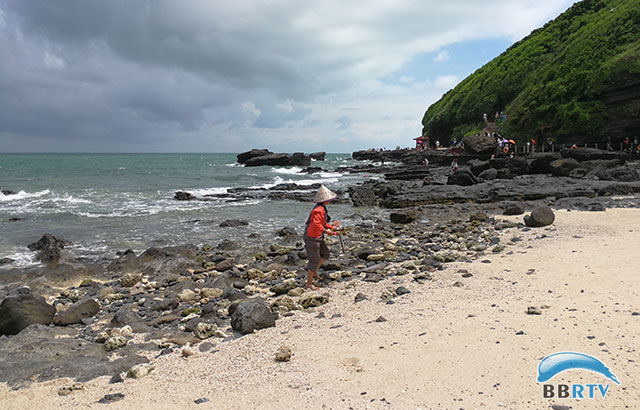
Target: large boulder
82 309
250 315
479 144
23 309
403 217
541 216
245 156
318 156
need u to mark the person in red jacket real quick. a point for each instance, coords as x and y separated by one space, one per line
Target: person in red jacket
316 226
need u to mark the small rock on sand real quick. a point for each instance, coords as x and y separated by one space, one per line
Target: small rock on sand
283 354
139 371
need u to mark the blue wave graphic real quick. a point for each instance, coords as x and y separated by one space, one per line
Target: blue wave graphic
559 362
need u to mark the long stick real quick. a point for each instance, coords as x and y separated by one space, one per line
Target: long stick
341 243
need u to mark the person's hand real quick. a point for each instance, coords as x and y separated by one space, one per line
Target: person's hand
336 224
331 232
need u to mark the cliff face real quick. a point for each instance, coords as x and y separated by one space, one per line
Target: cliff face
577 79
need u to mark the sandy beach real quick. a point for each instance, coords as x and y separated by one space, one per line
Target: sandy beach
443 346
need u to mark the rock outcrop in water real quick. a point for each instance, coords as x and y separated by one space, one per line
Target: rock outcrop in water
260 157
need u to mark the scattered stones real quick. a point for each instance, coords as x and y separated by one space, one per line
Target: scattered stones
116 378
380 319
360 297
283 354
187 295
140 370
211 293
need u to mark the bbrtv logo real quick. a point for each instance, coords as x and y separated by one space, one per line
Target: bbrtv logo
560 362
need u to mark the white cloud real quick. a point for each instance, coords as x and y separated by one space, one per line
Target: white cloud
442 57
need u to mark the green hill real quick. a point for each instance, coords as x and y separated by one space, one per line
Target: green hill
577 79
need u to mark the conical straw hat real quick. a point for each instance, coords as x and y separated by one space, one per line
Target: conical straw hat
324 194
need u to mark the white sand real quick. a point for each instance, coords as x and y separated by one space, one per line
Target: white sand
442 347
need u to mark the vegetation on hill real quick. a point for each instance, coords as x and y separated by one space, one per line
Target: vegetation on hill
577 79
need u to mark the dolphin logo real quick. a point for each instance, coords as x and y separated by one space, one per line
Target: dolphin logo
559 362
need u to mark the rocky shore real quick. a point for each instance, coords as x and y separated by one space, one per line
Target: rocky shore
76 320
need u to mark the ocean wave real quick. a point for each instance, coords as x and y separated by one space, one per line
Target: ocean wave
23 195
289 171
234 164
208 191
22 259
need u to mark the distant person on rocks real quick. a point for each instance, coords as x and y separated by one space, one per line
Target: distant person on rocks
316 226
454 166
437 144
426 162
485 121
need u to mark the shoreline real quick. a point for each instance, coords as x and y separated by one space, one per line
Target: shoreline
429 353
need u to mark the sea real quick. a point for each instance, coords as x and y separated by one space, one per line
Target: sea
105 203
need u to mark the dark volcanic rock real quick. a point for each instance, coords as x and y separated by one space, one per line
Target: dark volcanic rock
183 196
488 174
286 231
23 309
39 353
245 156
363 195
479 144
589 154
82 309
463 177
541 216
563 167
6 261
408 173
539 162
268 159
403 217
50 248
7 192
318 156
233 223
250 315
515 208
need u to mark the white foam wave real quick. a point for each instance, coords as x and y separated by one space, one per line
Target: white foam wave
234 164
122 167
208 191
289 171
22 259
23 195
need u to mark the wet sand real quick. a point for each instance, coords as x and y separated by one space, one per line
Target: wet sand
442 346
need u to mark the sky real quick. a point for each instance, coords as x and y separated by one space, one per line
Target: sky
228 76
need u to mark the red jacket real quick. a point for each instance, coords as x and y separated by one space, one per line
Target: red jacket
317 222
